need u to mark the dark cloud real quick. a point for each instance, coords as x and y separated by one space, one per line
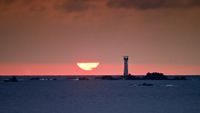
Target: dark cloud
7 1
74 5
15 5
153 4
67 6
196 2
139 4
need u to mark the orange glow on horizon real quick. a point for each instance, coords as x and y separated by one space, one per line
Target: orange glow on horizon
103 69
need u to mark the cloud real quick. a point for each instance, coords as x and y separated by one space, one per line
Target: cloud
74 5
7 1
196 2
67 6
15 5
152 4
71 6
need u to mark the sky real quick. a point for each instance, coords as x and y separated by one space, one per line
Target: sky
40 37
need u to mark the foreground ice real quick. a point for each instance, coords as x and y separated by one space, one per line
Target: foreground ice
98 96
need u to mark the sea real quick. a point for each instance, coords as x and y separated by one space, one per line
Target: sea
64 94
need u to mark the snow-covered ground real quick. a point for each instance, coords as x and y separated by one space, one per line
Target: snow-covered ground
100 96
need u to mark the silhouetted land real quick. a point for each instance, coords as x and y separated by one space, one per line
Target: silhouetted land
12 79
148 76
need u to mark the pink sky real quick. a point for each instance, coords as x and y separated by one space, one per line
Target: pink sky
49 37
73 69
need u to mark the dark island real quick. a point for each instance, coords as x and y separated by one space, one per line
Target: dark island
148 76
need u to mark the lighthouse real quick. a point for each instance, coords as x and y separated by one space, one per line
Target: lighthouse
125 66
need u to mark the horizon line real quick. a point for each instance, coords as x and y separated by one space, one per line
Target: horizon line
97 75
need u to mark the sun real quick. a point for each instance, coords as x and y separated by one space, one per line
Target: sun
87 66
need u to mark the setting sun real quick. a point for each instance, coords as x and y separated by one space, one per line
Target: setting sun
87 66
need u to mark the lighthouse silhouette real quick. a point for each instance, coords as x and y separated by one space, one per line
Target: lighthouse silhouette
125 66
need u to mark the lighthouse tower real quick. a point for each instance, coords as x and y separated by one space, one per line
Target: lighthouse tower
125 66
